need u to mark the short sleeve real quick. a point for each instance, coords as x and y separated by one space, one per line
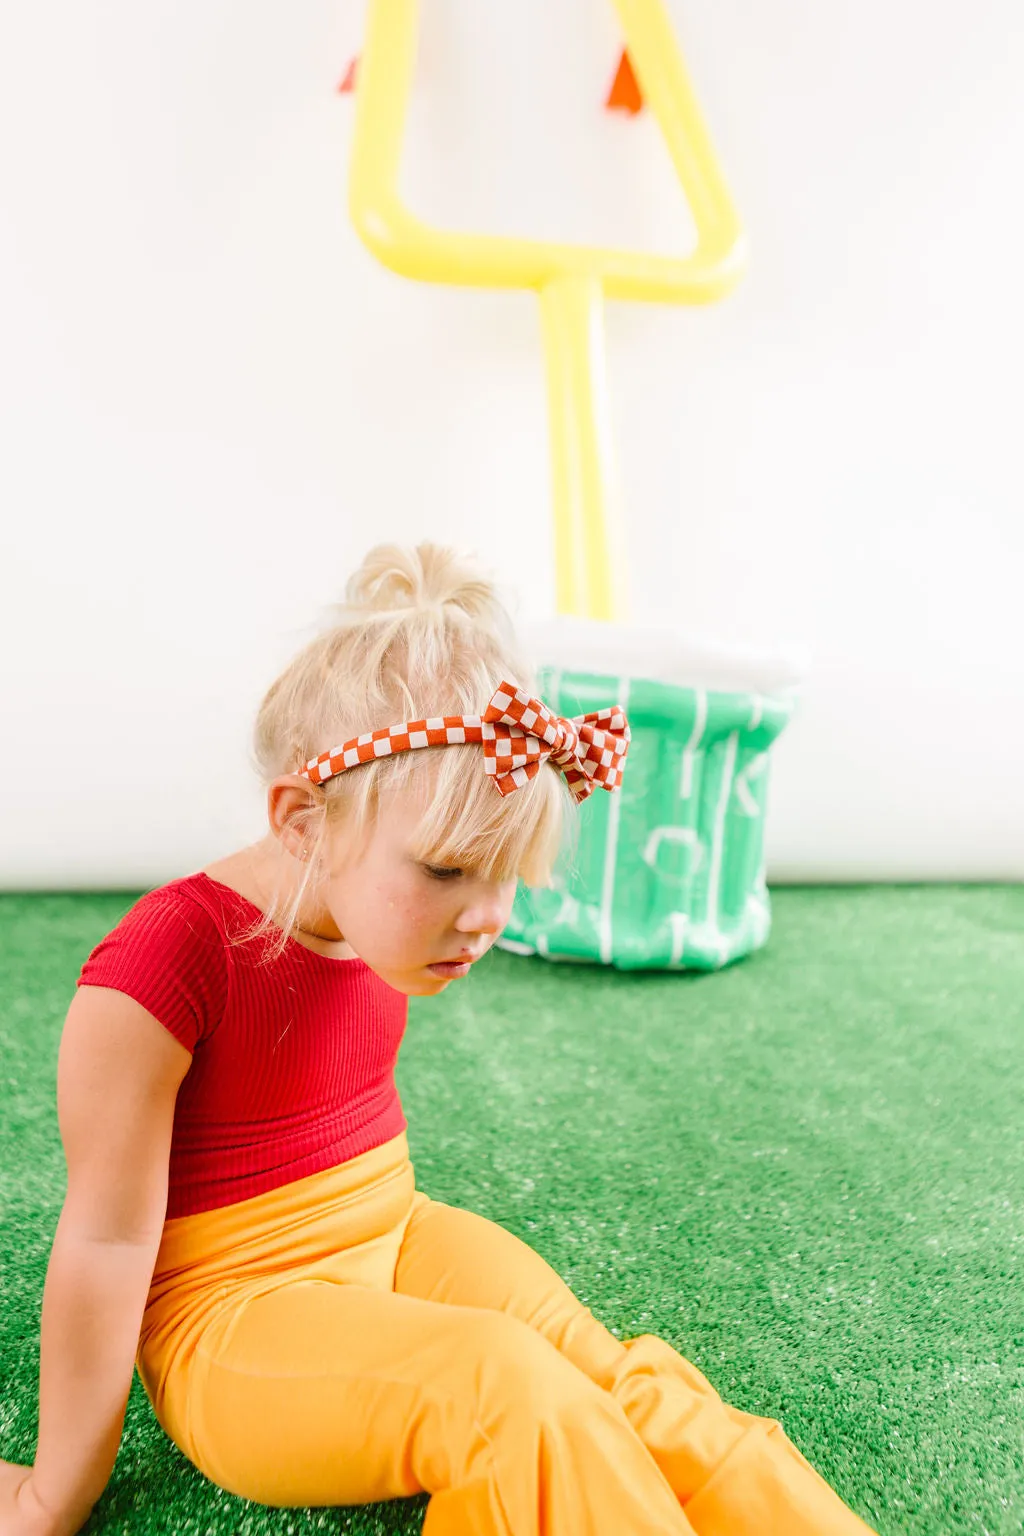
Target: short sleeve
168 954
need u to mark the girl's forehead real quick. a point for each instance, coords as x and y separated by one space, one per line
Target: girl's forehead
399 813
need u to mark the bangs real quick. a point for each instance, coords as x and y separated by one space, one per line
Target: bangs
468 825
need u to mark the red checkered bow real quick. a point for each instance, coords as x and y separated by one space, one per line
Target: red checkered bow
518 734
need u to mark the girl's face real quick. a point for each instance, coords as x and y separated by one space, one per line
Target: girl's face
411 922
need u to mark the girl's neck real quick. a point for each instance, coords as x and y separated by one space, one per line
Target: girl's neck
257 871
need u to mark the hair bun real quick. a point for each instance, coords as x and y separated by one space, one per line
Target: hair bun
393 579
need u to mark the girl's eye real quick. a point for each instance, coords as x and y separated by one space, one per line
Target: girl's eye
441 872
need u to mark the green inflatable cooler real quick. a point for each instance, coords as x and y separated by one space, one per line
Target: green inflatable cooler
666 873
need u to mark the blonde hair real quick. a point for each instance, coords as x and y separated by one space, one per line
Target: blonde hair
421 632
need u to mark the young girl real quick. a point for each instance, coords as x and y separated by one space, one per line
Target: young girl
242 1217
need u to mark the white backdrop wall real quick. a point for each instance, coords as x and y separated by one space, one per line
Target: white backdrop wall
213 400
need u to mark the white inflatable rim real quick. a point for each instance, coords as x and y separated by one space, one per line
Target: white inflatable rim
661 655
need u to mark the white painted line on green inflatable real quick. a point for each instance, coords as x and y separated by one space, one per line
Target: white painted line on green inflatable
754 769
515 946
700 720
678 922
608 882
757 908
718 835
689 837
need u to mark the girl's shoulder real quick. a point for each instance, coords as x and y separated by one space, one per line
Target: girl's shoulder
170 952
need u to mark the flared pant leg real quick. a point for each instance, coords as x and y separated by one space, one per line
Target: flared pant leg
733 1473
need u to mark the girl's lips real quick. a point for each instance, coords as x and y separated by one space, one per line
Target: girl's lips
450 969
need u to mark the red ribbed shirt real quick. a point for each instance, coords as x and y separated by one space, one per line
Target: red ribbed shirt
292 1062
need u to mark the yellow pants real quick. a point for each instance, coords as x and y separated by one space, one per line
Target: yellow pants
344 1339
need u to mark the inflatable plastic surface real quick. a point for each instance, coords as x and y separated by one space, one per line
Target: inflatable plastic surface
669 871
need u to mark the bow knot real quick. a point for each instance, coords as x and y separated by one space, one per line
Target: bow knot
520 733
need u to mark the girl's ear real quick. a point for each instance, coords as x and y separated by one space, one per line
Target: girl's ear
295 812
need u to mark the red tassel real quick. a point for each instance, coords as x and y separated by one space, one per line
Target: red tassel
349 82
624 95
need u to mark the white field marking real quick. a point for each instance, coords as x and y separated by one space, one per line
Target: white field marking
700 721
689 836
515 946
608 883
678 921
753 770
568 911
757 910
718 836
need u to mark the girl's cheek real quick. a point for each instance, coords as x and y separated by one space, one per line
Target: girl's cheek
412 911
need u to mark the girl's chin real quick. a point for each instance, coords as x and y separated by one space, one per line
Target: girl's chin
416 981
422 985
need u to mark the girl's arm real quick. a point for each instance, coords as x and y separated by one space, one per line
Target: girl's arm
118 1076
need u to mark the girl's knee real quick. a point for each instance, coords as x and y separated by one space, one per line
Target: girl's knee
523 1375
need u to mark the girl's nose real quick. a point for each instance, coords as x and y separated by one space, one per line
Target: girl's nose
488 909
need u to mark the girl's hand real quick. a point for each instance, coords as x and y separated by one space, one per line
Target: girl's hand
21 1513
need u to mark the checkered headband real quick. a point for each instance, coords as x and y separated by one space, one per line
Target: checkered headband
518 734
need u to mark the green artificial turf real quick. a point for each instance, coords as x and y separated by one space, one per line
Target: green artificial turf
806 1172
